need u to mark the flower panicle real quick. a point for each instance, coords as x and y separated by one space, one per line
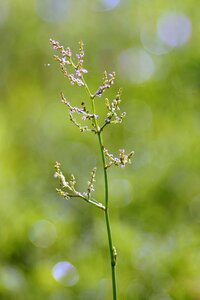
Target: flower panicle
68 190
120 161
114 116
70 186
65 60
73 109
108 80
80 56
86 115
81 128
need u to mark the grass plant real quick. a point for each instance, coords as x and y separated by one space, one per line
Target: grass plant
88 120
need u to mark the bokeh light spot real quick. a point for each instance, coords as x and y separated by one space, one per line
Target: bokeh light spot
65 273
11 278
105 5
174 29
151 41
43 234
53 10
136 65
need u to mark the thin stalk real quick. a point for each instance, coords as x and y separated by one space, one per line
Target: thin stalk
109 234
112 249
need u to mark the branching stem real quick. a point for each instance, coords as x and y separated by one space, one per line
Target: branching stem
113 116
112 249
109 234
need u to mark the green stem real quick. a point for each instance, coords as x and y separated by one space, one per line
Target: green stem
106 210
109 234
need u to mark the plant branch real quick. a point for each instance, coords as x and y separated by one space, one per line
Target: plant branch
113 116
112 249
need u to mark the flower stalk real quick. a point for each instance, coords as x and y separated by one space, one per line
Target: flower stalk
68 189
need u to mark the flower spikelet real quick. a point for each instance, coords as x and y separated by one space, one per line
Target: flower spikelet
85 114
91 183
68 190
108 80
114 116
121 161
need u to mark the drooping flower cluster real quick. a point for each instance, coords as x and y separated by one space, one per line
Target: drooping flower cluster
68 190
121 161
66 60
86 115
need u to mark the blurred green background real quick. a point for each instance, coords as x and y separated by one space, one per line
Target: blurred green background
54 249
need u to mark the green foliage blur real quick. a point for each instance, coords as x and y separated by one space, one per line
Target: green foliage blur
55 249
